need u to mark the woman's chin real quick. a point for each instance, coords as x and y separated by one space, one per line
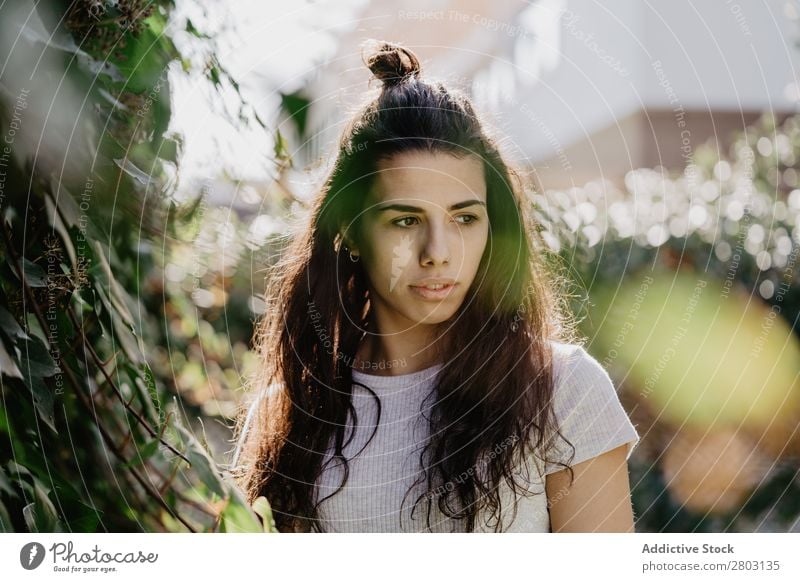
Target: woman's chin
432 315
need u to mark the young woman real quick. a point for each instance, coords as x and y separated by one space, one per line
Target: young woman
417 372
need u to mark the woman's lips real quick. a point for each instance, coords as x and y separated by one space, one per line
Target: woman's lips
433 294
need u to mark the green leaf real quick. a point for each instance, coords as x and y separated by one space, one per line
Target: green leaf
205 470
38 361
40 515
34 328
282 148
10 325
66 203
5 520
146 55
191 29
43 400
144 454
104 274
130 168
58 224
5 484
34 274
86 523
152 391
202 464
9 215
237 517
262 507
37 364
7 365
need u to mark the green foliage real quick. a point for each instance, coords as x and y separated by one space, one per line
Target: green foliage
90 441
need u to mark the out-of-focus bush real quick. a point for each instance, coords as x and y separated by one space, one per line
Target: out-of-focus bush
689 290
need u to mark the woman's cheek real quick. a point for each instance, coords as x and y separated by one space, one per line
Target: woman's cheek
385 260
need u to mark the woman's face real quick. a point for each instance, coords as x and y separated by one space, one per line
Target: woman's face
425 225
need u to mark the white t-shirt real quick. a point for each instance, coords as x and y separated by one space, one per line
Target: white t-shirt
586 405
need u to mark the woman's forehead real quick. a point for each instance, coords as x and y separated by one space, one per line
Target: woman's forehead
438 178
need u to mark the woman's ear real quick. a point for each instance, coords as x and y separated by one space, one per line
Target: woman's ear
353 249
349 245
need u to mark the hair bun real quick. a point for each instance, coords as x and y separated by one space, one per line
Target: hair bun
391 63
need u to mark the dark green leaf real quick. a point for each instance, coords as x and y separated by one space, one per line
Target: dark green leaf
37 359
40 515
37 364
262 508
237 517
7 365
143 454
34 274
190 28
145 57
205 470
43 400
5 520
10 325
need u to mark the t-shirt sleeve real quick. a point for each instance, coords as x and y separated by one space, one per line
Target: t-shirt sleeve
588 410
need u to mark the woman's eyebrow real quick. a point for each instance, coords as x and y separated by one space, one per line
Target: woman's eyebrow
408 208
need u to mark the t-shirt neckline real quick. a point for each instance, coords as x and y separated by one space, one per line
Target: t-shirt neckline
373 380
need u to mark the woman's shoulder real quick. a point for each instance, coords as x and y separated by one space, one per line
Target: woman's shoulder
580 380
586 404
573 362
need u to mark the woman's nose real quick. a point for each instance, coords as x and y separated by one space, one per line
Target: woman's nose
436 249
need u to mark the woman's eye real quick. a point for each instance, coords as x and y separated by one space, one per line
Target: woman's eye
407 221
470 218
399 221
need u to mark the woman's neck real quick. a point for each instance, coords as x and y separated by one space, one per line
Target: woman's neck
397 353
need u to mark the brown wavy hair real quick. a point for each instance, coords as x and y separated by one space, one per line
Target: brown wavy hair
497 386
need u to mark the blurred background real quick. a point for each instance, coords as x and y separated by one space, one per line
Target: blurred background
155 157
